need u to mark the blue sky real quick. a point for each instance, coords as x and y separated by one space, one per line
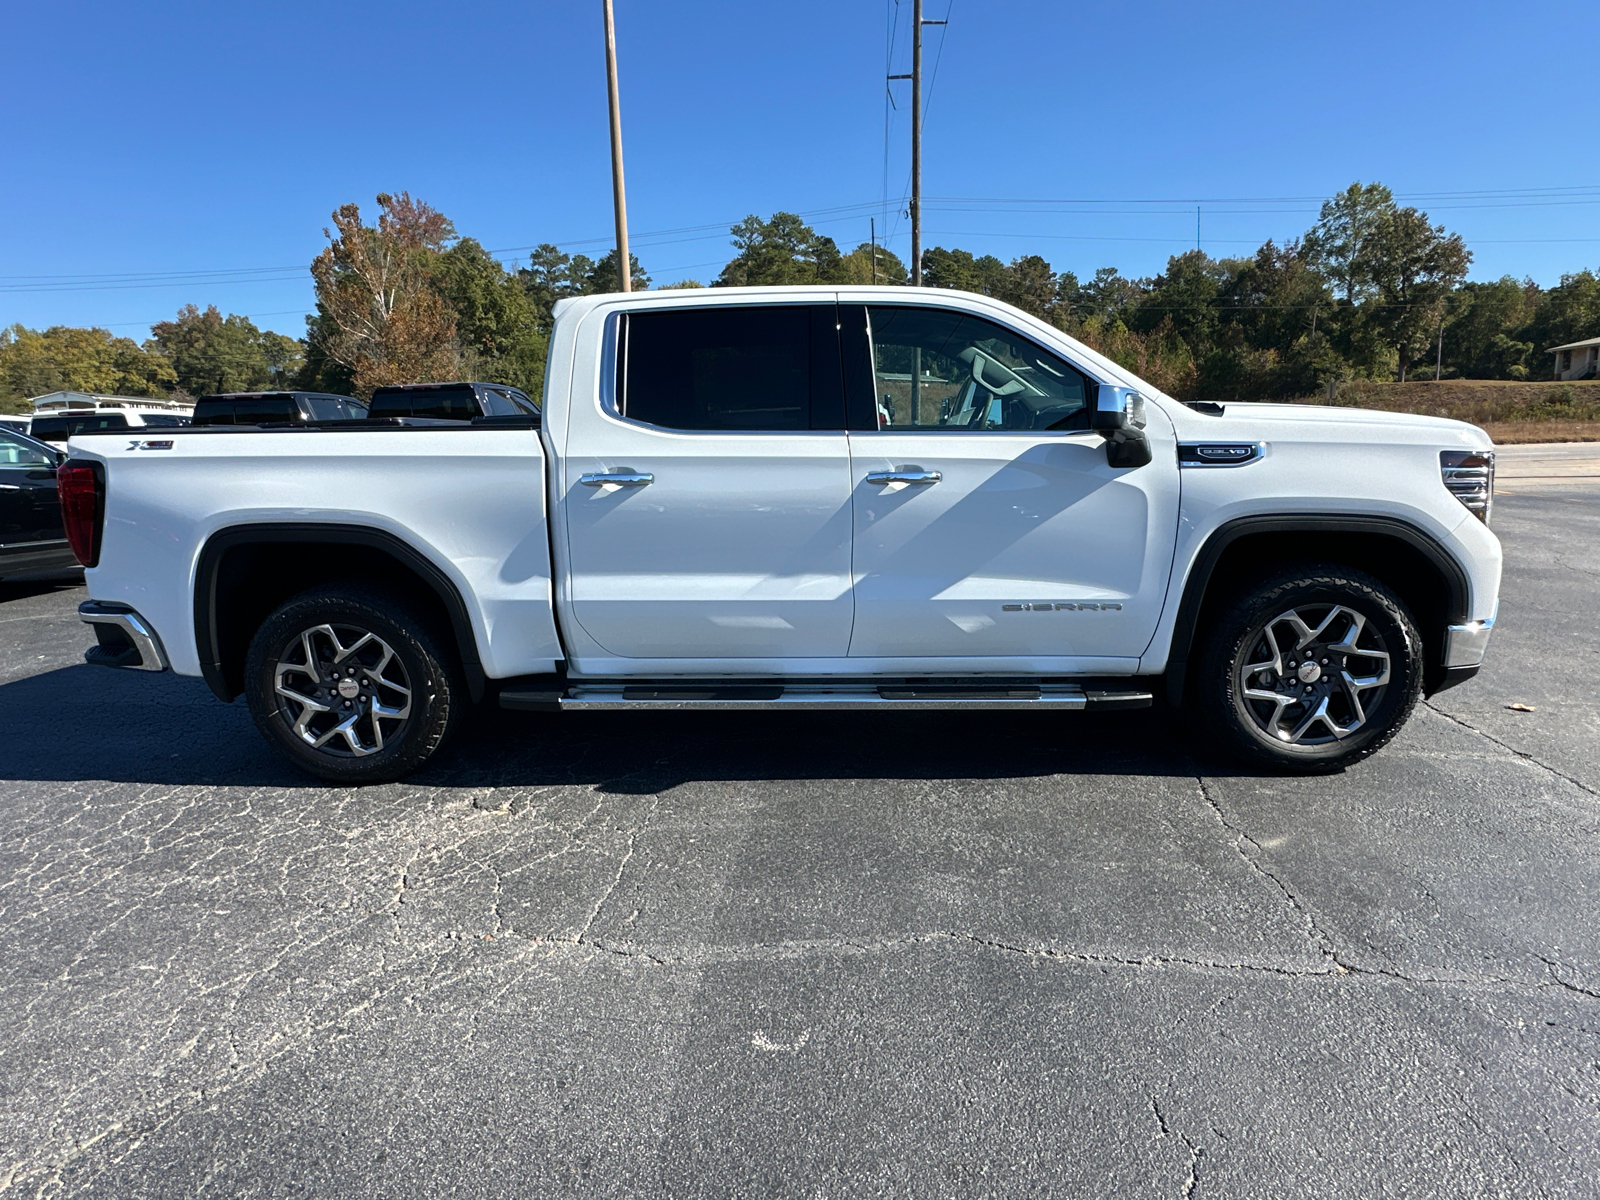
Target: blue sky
168 153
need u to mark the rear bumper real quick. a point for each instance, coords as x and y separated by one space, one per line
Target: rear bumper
123 638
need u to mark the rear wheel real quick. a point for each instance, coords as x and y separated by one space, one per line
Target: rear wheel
1310 670
351 685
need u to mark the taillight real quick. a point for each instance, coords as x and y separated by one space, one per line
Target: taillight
1469 474
83 495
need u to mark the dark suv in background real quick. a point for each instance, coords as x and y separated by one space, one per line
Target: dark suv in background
276 408
453 401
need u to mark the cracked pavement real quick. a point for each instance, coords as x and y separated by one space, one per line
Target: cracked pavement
815 955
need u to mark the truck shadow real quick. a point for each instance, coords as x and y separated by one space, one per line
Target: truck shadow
82 724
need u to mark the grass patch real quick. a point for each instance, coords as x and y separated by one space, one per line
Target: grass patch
1511 412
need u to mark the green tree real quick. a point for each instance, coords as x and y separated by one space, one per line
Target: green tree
1482 325
1185 297
1340 243
784 250
603 277
213 353
1569 312
1413 267
33 362
1108 295
496 321
552 276
1276 311
961 272
1030 284
857 266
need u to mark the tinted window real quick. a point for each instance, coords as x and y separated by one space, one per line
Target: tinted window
938 369
265 410
326 408
50 429
445 403
508 402
59 429
718 368
163 420
211 410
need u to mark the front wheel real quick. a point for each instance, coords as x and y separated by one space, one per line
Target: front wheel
1312 669
351 686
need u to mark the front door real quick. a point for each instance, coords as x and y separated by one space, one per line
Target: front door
988 523
707 493
29 509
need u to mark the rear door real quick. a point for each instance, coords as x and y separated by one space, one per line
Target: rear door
987 520
707 488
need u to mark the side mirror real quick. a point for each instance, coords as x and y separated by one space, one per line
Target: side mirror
1118 416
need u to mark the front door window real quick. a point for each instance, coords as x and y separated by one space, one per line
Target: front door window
938 369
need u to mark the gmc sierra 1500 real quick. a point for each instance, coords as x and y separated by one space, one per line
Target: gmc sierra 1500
791 498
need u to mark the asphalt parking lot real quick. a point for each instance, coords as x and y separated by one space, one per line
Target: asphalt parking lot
820 956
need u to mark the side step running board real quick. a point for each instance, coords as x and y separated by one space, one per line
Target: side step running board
592 696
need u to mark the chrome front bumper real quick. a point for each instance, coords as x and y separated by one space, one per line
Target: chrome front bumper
1464 645
124 638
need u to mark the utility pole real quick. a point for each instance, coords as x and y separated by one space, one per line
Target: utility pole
1197 227
916 140
624 259
1438 363
916 146
874 221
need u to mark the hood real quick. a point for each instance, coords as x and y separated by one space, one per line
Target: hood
1309 422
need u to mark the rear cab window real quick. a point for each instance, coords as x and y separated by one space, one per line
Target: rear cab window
59 429
455 403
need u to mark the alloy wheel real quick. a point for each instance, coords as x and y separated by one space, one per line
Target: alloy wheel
1313 674
342 690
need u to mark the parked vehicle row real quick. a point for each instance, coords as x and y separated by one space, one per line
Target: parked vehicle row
798 498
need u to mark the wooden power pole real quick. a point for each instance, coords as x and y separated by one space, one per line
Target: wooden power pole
916 144
619 199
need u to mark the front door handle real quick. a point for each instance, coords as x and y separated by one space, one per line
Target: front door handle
903 477
616 479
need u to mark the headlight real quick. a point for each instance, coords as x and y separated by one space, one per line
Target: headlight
1469 474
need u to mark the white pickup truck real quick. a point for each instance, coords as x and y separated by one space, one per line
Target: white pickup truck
801 498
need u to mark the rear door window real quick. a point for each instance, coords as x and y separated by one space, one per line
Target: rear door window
756 368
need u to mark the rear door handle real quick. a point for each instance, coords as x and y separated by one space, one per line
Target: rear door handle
616 479
904 477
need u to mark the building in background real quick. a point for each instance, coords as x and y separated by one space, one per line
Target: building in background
93 402
1578 360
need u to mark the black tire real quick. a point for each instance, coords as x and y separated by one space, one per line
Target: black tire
401 690
1259 627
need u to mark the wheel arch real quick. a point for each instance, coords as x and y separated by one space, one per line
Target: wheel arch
246 571
1406 558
